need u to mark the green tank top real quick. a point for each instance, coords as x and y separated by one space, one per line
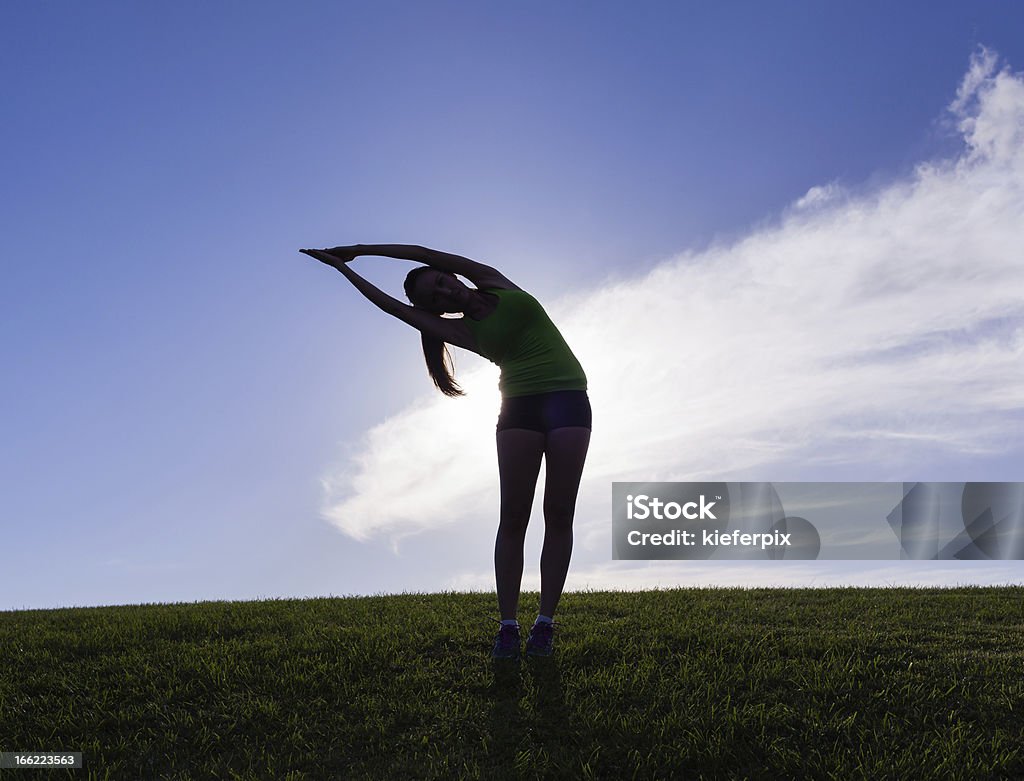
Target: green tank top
520 338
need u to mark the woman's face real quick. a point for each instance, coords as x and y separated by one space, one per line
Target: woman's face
440 292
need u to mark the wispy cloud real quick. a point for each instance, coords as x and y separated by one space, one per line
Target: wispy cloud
878 330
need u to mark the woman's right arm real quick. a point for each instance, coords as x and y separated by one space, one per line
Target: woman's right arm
480 274
447 330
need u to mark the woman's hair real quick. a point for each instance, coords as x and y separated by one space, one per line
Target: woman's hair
435 352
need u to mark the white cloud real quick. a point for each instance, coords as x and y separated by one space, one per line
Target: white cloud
818 196
880 331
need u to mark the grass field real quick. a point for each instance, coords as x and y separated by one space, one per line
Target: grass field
719 683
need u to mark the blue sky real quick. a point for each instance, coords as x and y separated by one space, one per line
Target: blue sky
192 410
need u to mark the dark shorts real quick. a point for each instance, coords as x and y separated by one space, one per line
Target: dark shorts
546 411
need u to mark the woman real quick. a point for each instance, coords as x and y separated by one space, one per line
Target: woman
545 411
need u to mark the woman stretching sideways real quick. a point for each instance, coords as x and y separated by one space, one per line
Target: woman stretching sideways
545 411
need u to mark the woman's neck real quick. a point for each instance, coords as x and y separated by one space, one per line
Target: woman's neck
481 305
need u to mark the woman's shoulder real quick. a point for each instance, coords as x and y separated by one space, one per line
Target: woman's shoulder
510 292
509 288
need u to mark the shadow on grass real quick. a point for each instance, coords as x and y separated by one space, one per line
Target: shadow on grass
547 685
528 717
508 725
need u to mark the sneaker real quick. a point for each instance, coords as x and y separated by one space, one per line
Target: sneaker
506 643
541 639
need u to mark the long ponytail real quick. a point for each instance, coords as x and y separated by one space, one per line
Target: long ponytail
435 352
440 365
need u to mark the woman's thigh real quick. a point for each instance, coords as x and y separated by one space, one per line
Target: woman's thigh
519 456
565 452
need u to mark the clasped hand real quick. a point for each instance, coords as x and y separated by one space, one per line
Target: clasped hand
334 255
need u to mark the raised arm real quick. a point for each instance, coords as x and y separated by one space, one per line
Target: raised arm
448 330
479 274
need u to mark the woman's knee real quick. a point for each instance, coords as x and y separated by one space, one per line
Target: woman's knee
559 514
512 523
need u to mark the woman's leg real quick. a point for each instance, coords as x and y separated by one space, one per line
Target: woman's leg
565 451
519 455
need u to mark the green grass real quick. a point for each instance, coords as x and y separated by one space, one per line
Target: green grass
720 683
